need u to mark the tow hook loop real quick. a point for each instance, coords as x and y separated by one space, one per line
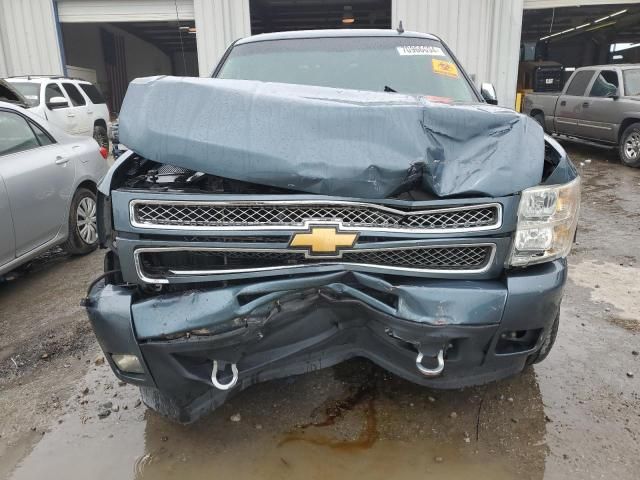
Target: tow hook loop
224 386
431 372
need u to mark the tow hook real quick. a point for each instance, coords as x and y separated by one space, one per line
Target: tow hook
224 386
431 372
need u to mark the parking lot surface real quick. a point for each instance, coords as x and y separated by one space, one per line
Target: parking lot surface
577 415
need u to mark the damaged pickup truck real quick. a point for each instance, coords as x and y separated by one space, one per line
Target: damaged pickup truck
328 194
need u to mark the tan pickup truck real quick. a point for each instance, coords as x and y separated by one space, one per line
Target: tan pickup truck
600 104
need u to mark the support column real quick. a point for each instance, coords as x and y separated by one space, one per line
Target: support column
28 38
218 24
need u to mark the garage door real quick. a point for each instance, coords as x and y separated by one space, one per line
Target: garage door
76 11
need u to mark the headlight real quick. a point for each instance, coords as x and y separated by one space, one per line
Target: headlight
547 220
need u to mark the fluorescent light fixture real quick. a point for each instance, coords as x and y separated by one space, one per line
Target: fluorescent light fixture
569 69
609 16
553 35
619 47
618 57
586 25
618 13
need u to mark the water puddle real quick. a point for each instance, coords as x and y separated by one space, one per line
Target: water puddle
344 422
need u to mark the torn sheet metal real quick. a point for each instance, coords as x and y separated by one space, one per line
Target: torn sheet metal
331 141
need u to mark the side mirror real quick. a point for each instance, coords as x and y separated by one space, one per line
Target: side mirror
614 94
57 102
488 92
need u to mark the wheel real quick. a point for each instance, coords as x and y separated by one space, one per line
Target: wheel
100 136
547 344
630 146
83 224
163 404
539 117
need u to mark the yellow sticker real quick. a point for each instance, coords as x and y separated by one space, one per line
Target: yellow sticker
442 67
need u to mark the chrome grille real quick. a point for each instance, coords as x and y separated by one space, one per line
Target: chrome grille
162 262
279 215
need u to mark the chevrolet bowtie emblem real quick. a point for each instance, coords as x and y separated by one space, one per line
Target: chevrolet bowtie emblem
324 240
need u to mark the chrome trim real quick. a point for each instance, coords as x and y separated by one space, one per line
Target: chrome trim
582 124
144 278
319 203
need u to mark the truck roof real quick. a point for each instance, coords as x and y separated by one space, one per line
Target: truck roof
338 32
622 66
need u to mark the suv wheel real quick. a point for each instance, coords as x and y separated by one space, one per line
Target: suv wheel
83 224
630 146
100 136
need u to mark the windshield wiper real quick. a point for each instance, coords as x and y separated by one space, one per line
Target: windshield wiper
389 89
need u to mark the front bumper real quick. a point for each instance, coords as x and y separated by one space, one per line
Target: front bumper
486 328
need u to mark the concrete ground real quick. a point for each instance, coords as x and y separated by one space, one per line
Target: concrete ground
577 415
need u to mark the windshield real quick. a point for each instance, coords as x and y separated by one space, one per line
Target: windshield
417 66
30 91
631 81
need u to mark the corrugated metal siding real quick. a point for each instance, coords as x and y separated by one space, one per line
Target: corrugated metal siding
28 38
218 23
530 4
123 10
484 35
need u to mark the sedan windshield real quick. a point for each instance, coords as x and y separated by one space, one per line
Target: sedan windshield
417 66
631 81
29 90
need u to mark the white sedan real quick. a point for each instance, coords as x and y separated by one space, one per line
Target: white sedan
47 188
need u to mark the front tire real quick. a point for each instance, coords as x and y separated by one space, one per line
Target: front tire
83 224
163 404
629 149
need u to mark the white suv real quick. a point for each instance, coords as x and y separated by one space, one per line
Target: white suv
75 106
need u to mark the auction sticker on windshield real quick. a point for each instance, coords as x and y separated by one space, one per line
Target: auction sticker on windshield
442 67
420 50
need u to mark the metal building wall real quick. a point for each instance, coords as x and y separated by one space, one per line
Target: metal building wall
219 22
28 38
484 35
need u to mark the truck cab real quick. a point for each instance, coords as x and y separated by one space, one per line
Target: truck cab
599 104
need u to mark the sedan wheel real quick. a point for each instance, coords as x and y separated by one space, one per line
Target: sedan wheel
83 223
86 221
630 146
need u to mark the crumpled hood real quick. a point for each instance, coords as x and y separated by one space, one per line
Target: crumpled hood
331 141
